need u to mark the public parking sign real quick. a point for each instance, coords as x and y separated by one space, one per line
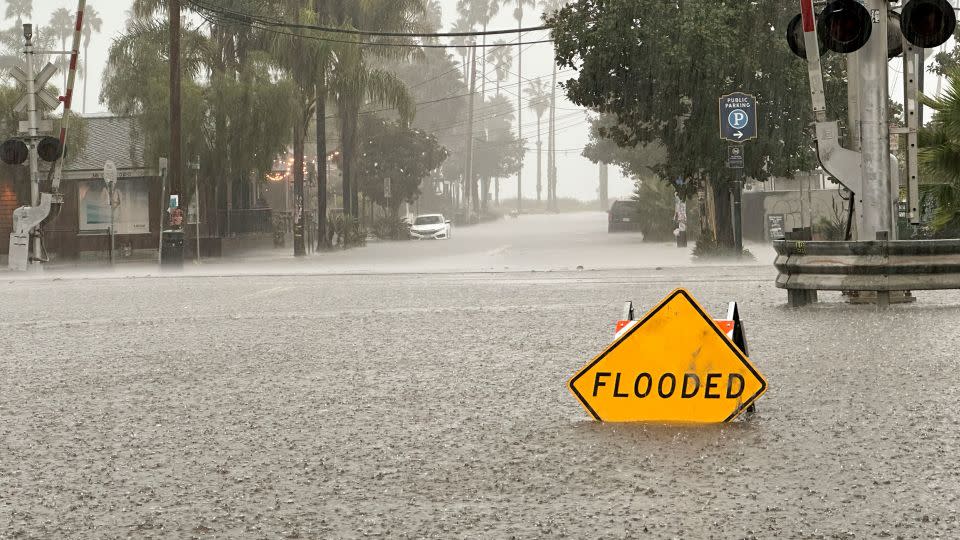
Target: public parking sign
675 365
738 117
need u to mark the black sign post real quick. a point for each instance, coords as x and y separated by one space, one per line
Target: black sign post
738 124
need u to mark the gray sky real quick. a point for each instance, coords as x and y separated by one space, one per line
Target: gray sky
577 176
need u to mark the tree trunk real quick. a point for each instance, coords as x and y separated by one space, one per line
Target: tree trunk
299 136
540 166
350 134
723 226
520 107
323 241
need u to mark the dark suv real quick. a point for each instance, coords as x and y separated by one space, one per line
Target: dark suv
623 217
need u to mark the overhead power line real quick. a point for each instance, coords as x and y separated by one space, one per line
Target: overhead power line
268 24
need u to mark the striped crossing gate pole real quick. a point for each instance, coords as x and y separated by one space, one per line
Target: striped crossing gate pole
67 97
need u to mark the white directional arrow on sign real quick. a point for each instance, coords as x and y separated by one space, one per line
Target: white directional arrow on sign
738 134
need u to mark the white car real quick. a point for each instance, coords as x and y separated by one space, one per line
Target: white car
430 227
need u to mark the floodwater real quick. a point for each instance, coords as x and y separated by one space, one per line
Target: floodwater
434 405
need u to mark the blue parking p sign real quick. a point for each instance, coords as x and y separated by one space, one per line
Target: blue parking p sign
738 117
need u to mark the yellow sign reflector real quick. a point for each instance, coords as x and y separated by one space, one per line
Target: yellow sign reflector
674 365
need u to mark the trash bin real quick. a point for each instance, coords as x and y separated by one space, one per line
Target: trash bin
171 251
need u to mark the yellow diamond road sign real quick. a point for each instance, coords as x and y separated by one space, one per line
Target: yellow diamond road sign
675 365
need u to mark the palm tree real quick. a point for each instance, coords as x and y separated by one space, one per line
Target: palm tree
61 23
463 43
538 99
550 7
19 9
502 59
481 12
940 155
91 23
518 15
359 84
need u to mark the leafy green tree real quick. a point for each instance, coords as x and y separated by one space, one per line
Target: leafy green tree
435 81
499 153
940 156
658 69
405 156
242 114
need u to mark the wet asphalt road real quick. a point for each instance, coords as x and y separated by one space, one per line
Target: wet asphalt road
435 405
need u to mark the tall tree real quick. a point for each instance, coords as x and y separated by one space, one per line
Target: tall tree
242 112
549 8
501 57
482 13
673 101
538 99
91 23
62 25
303 59
360 83
19 9
518 15
462 44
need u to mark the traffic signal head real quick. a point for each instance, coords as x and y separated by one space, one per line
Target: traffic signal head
795 38
50 149
14 152
844 26
928 23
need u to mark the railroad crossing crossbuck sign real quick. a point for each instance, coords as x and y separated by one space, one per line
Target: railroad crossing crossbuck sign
738 117
675 365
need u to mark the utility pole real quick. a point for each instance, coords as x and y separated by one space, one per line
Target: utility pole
520 106
552 145
470 193
875 135
176 156
172 246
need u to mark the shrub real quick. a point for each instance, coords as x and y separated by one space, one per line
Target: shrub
708 248
391 228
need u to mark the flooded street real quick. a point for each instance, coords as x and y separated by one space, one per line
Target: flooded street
435 405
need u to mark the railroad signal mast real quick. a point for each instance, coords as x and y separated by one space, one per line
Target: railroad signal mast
26 240
870 33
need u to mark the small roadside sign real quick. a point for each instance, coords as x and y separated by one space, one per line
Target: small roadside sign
110 173
735 157
675 365
738 117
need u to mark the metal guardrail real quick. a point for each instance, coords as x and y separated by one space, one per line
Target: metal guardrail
880 266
